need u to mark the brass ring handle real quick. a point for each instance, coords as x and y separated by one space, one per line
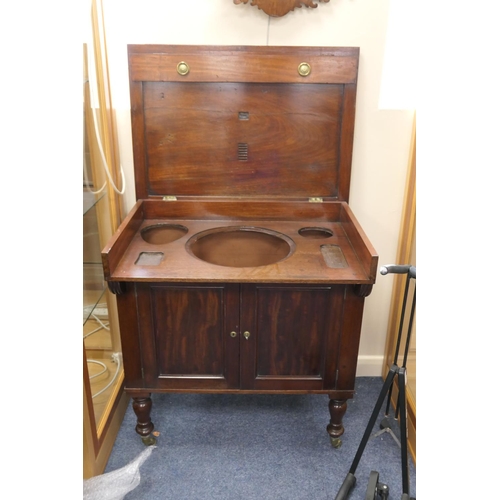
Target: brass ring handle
183 68
246 335
233 334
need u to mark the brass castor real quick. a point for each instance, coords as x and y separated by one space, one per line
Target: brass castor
336 442
149 440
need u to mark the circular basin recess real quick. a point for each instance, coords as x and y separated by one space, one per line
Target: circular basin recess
159 234
315 232
240 246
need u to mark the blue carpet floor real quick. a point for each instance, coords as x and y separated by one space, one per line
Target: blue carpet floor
257 447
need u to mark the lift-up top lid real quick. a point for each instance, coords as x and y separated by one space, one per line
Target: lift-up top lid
242 122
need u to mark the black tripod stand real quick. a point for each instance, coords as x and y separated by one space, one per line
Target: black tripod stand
376 489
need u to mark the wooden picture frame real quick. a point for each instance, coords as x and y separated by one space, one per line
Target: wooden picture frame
279 8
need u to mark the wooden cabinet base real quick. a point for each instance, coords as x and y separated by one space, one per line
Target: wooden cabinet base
240 338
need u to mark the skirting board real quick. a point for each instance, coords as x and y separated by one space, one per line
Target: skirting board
369 366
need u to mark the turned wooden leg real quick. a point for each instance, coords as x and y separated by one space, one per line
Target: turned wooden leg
142 409
335 428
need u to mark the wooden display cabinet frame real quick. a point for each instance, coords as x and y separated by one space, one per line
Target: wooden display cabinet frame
100 427
406 255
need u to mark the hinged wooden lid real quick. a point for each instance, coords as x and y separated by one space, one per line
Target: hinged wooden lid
238 122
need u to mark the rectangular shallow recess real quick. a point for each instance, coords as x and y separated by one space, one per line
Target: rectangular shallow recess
333 256
149 259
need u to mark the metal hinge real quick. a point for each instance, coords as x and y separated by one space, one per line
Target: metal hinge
316 199
170 198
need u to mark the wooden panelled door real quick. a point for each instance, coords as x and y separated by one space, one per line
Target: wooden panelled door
290 336
193 336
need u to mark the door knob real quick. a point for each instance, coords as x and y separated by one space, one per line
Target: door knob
246 335
233 334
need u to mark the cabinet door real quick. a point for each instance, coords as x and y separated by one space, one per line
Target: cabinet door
188 344
292 339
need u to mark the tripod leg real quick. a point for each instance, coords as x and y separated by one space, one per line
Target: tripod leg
410 325
373 418
408 337
398 342
404 430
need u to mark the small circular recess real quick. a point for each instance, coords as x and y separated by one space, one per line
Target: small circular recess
315 232
159 234
240 246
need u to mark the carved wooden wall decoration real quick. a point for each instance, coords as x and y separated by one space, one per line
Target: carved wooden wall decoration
278 8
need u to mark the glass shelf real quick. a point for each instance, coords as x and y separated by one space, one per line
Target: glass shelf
91 301
94 285
90 199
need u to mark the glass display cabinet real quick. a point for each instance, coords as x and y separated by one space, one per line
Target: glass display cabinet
105 401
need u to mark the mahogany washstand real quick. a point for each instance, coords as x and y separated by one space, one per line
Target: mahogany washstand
241 268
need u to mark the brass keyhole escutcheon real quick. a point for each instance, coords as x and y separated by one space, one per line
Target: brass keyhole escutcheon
183 68
246 335
304 69
233 334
